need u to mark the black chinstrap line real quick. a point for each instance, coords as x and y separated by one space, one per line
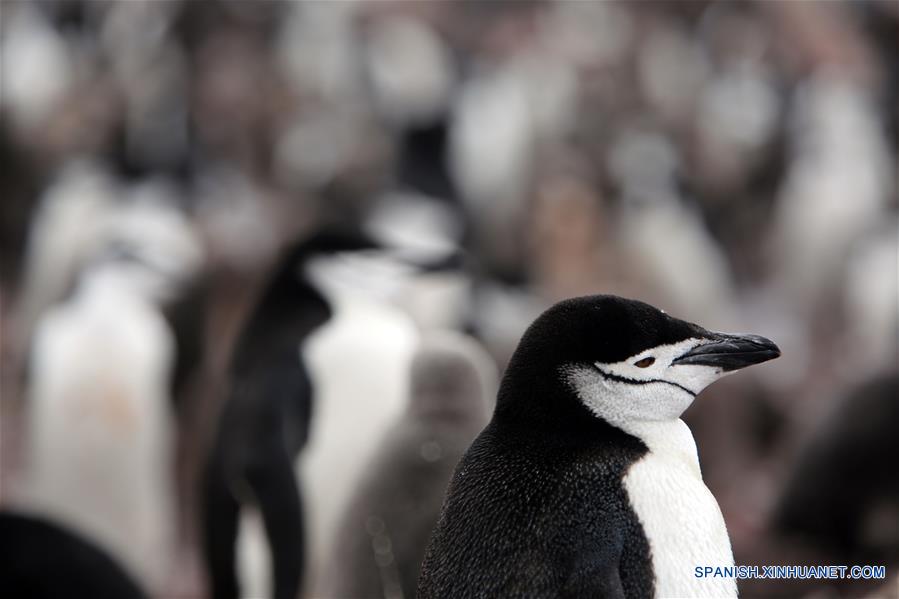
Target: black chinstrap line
624 379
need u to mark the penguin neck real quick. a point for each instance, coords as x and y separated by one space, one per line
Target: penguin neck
670 439
543 409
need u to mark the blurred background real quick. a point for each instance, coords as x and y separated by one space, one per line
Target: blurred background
733 163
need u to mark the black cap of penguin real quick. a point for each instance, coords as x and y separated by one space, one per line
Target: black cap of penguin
290 306
612 344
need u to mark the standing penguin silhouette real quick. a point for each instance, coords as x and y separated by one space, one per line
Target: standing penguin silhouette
385 529
586 482
99 417
265 422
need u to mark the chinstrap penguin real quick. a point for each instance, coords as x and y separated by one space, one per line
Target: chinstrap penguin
265 422
586 483
99 416
385 529
359 363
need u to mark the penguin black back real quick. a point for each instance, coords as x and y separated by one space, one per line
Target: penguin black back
265 421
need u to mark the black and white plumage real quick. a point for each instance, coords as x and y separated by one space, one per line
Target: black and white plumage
265 423
63 230
359 362
43 560
88 216
385 529
90 222
99 417
586 483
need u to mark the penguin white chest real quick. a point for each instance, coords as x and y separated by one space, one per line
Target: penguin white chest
680 516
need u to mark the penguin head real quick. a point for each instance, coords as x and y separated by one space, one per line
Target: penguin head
624 360
453 379
122 266
299 293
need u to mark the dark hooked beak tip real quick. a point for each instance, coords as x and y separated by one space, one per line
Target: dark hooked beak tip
731 352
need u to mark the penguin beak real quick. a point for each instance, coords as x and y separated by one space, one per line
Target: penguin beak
730 352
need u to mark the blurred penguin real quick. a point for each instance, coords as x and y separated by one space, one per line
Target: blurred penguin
87 212
359 364
516 101
21 179
265 423
411 77
836 188
660 231
491 144
99 414
42 560
62 232
38 67
842 496
435 288
870 287
385 530
151 224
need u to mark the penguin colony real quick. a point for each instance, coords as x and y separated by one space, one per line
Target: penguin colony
585 482
698 142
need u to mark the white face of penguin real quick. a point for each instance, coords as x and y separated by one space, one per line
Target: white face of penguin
648 386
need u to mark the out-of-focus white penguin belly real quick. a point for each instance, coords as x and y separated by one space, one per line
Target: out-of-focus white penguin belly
99 429
359 365
683 524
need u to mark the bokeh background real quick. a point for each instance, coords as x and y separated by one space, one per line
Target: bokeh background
734 163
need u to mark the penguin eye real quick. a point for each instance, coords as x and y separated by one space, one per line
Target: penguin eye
645 362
